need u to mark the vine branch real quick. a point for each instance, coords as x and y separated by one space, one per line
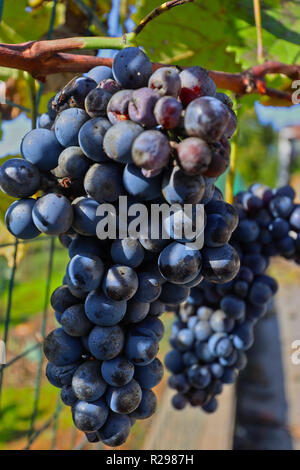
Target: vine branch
42 58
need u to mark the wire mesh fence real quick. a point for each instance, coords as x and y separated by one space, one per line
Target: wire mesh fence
29 409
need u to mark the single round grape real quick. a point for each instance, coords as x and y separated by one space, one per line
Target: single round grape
41 148
206 118
19 178
103 182
136 311
141 346
137 185
195 82
85 272
141 106
194 156
75 322
149 376
89 417
151 150
87 382
85 219
220 159
147 406
120 283
62 349
68 124
96 102
177 187
119 139
19 221
220 264
45 122
117 108
125 399
173 294
104 311
117 372
53 214
61 299
128 252
167 112
106 343
116 430
60 376
166 81
99 73
72 163
132 68
91 137
179 263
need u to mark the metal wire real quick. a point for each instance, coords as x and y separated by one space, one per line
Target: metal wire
36 429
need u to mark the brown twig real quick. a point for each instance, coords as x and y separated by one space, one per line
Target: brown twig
158 11
42 58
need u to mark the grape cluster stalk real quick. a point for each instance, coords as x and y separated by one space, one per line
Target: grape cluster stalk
215 326
161 137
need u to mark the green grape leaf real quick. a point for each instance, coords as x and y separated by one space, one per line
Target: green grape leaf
220 35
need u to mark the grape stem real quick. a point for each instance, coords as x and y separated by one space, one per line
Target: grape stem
258 24
229 187
158 11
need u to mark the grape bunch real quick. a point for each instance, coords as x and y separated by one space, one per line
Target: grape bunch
215 327
159 137
270 220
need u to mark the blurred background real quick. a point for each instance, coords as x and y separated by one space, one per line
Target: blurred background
263 411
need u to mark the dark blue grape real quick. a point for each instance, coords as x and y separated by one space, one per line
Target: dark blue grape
125 399
85 272
60 376
85 216
104 311
116 430
68 124
220 264
103 182
89 417
67 395
53 214
128 252
75 322
72 163
174 362
137 185
117 372
19 178
141 346
149 376
96 102
99 73
106 343
132 68
87 382
62 349
91 137
136 311
177 187
120 282
179 263
174 294
147 406
42 148
19 221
